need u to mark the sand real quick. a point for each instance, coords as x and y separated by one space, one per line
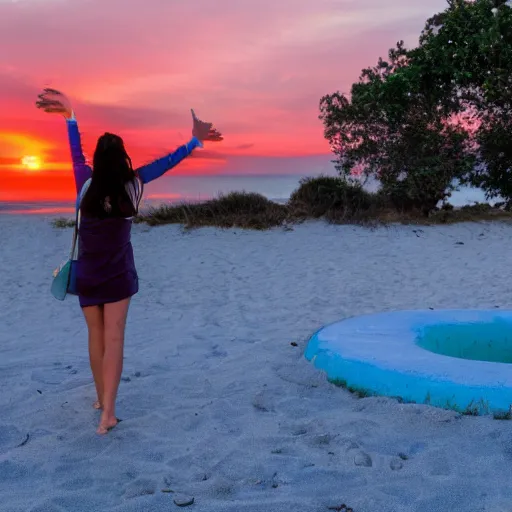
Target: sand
216 402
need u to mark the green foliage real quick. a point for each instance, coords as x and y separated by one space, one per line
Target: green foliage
440 114
330 196
237 209
62 222
392 131
358 392
502 415
494 175
468 52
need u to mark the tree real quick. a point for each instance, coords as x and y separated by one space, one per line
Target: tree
436 114
395 129
466 52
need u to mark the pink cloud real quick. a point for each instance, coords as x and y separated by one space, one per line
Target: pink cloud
257 69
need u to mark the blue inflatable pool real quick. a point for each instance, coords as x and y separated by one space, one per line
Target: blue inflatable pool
455 359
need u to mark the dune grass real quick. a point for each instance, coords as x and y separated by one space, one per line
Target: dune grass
324 197
237 209
63 222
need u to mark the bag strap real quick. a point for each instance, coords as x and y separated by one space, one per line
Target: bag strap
77 218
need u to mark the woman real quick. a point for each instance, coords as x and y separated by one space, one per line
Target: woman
106 276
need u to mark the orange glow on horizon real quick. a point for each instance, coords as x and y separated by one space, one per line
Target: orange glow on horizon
32 163
55 185
40 211
267 68
35 159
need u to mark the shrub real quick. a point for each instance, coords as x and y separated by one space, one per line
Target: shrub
237 209
408 196
62 222
331 197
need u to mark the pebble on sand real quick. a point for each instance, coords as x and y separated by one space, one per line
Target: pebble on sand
183 501
363 459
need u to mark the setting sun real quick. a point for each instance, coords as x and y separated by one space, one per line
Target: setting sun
32 163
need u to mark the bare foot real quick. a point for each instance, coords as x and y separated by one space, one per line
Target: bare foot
106 425
97 405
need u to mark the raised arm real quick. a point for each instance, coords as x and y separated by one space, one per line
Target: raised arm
159 167
81 170
201 131
53 101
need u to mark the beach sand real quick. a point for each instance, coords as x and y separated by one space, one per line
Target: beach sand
216 402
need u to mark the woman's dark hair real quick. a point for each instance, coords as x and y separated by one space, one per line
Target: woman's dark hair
112 170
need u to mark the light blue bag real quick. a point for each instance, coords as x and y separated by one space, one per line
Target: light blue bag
64 282
60 284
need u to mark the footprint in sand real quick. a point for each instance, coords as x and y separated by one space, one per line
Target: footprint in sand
220 488
295 430
226 417
140 487
439 463
10 438
322 440
13 471
54 375
77 483
396 464
217 352
417 448
264 401
85 447
300 374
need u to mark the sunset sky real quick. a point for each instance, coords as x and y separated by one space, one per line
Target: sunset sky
135 67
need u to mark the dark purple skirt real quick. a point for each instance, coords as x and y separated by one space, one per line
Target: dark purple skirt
105 268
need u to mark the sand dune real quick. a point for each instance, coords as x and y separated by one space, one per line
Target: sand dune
216 403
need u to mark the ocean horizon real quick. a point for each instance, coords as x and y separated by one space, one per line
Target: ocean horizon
175 189
180 188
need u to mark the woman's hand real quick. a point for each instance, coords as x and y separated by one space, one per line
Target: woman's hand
54 102
205 131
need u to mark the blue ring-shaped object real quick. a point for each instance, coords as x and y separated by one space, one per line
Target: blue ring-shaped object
380 354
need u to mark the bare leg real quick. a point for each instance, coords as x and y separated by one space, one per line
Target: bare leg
114 318
94 319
